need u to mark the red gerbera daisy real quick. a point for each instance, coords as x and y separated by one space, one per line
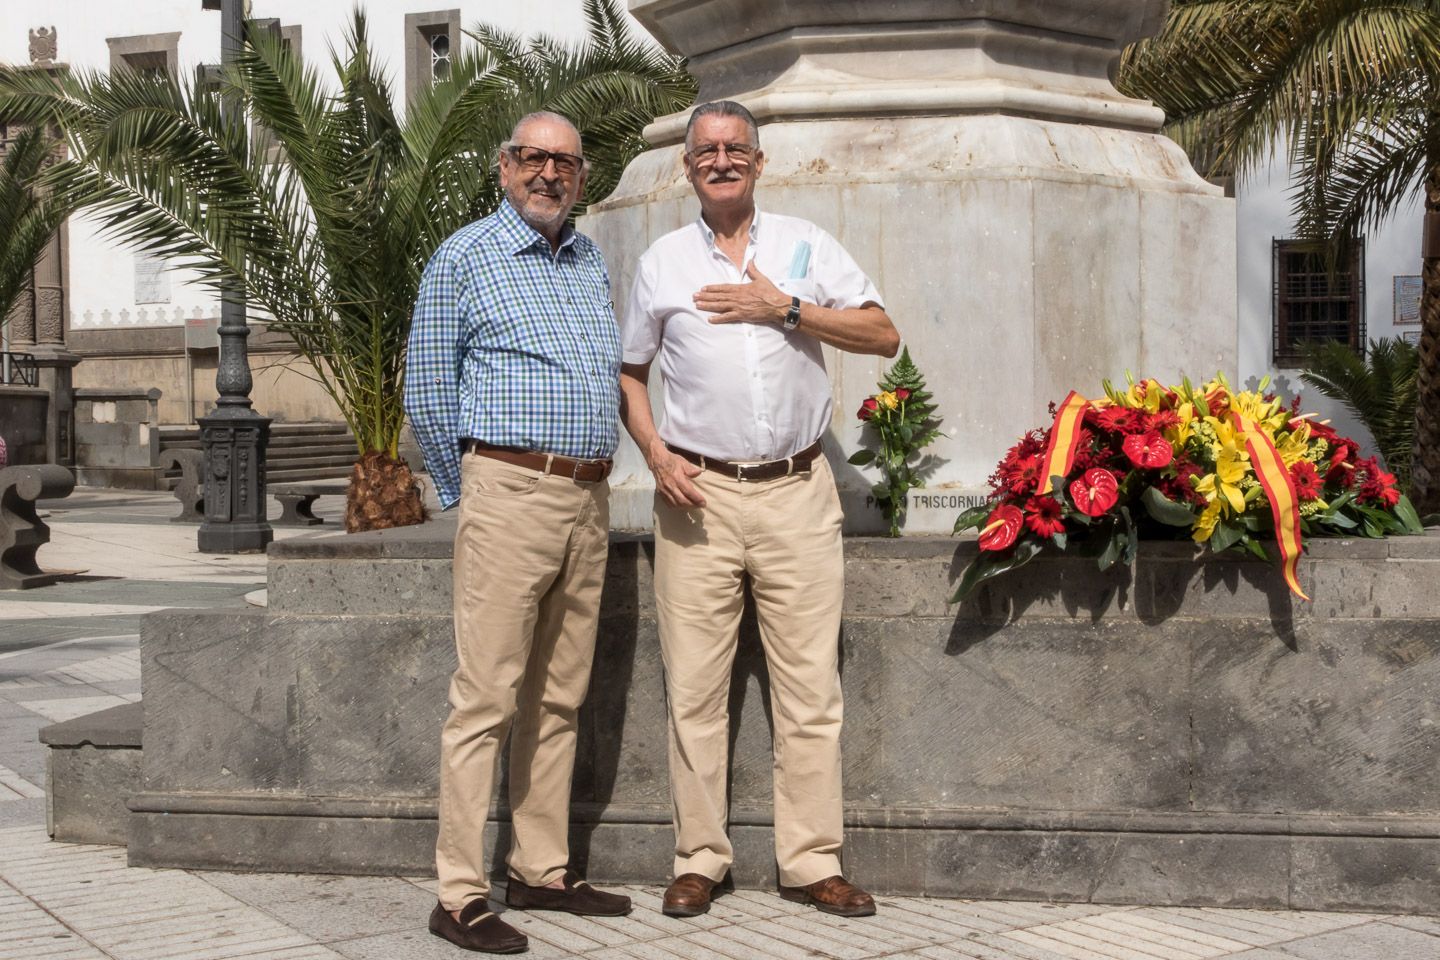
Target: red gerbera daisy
1043 516
1307 480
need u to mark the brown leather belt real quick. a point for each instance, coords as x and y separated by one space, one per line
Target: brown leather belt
769 470
583 471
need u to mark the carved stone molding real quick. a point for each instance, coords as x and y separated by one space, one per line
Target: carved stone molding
44 45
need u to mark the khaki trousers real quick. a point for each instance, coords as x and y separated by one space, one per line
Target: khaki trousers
530 557
785 534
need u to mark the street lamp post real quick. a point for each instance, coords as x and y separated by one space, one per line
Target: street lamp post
234 436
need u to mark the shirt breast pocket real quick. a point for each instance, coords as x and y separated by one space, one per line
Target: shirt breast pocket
802 287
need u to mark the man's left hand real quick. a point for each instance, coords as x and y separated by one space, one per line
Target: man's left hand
758 301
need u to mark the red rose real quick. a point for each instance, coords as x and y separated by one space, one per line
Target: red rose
1095 492
902 394
1043 516
1307 480
867 408
1148 450
1001 527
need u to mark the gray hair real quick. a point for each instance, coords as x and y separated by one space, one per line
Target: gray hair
544 115
723 108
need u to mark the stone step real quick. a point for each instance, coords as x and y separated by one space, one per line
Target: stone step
94 764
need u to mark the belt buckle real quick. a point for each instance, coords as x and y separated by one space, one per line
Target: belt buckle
742 468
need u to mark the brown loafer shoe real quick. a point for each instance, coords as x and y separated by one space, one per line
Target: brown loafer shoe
833 895
479 929
688 896
576 897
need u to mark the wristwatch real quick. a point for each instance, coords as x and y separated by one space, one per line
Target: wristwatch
792 316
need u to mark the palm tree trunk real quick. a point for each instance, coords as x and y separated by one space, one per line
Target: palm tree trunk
383 493
1425 478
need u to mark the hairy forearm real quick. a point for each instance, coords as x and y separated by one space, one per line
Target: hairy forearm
857 330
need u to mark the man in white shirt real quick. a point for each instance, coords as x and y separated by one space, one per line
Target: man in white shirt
736 306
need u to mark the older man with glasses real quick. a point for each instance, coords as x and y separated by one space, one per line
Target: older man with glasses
736 306
512 391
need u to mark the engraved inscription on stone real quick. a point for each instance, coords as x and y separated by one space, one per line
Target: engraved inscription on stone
152 281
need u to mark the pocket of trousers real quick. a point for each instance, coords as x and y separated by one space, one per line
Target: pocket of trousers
503 485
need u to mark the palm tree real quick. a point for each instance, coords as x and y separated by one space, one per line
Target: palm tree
1351 88
29 217
331 239
1379 389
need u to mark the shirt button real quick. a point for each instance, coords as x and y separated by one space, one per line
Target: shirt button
437 381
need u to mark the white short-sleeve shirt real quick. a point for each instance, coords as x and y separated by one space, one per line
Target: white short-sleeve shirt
739 391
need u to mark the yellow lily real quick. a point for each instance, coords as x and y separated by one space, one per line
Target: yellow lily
1205 523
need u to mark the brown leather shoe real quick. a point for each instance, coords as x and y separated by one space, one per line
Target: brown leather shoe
688 895
833 895
479 929
577 897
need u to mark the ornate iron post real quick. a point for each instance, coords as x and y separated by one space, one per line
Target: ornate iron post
233 436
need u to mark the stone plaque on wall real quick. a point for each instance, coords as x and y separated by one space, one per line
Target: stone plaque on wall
152 280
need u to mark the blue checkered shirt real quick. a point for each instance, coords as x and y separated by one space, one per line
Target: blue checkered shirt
513 345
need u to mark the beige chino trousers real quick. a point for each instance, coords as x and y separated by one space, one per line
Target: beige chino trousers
530 554
785 534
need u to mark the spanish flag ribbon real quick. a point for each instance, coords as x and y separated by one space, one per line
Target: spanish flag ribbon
1064 438
1280 491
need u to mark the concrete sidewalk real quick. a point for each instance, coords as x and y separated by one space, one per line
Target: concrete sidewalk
73 648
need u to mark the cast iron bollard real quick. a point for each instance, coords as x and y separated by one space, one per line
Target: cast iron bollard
22 532
190 488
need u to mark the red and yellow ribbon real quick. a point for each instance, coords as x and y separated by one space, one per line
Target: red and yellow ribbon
1280 491
1064 438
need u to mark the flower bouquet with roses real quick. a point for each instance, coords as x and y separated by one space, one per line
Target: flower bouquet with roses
1237 470
903 421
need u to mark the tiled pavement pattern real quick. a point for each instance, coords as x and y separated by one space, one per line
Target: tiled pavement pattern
71 902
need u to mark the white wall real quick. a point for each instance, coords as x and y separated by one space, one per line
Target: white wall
102 273
1262 216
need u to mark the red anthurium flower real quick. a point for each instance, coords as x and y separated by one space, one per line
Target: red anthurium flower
1148 450
902 394
1095 492
1043 516
868 408
1001 527
1307 480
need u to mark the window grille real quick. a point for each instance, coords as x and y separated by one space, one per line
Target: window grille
1316 299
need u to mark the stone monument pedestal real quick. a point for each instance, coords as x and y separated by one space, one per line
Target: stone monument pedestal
1030 230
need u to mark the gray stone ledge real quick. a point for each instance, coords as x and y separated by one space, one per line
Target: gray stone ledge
116 727
893 818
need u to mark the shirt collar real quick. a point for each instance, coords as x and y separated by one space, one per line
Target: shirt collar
709 234
522 235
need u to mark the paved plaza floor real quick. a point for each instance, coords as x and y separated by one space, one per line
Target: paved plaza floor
73 648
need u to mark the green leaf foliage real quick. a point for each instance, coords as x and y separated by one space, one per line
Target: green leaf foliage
1165 510
1379 389
989 565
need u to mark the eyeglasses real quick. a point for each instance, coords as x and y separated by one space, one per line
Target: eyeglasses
534 159
740 154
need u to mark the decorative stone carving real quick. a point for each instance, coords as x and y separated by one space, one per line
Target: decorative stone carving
44 46
190 488
22 532
49 315
22 319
